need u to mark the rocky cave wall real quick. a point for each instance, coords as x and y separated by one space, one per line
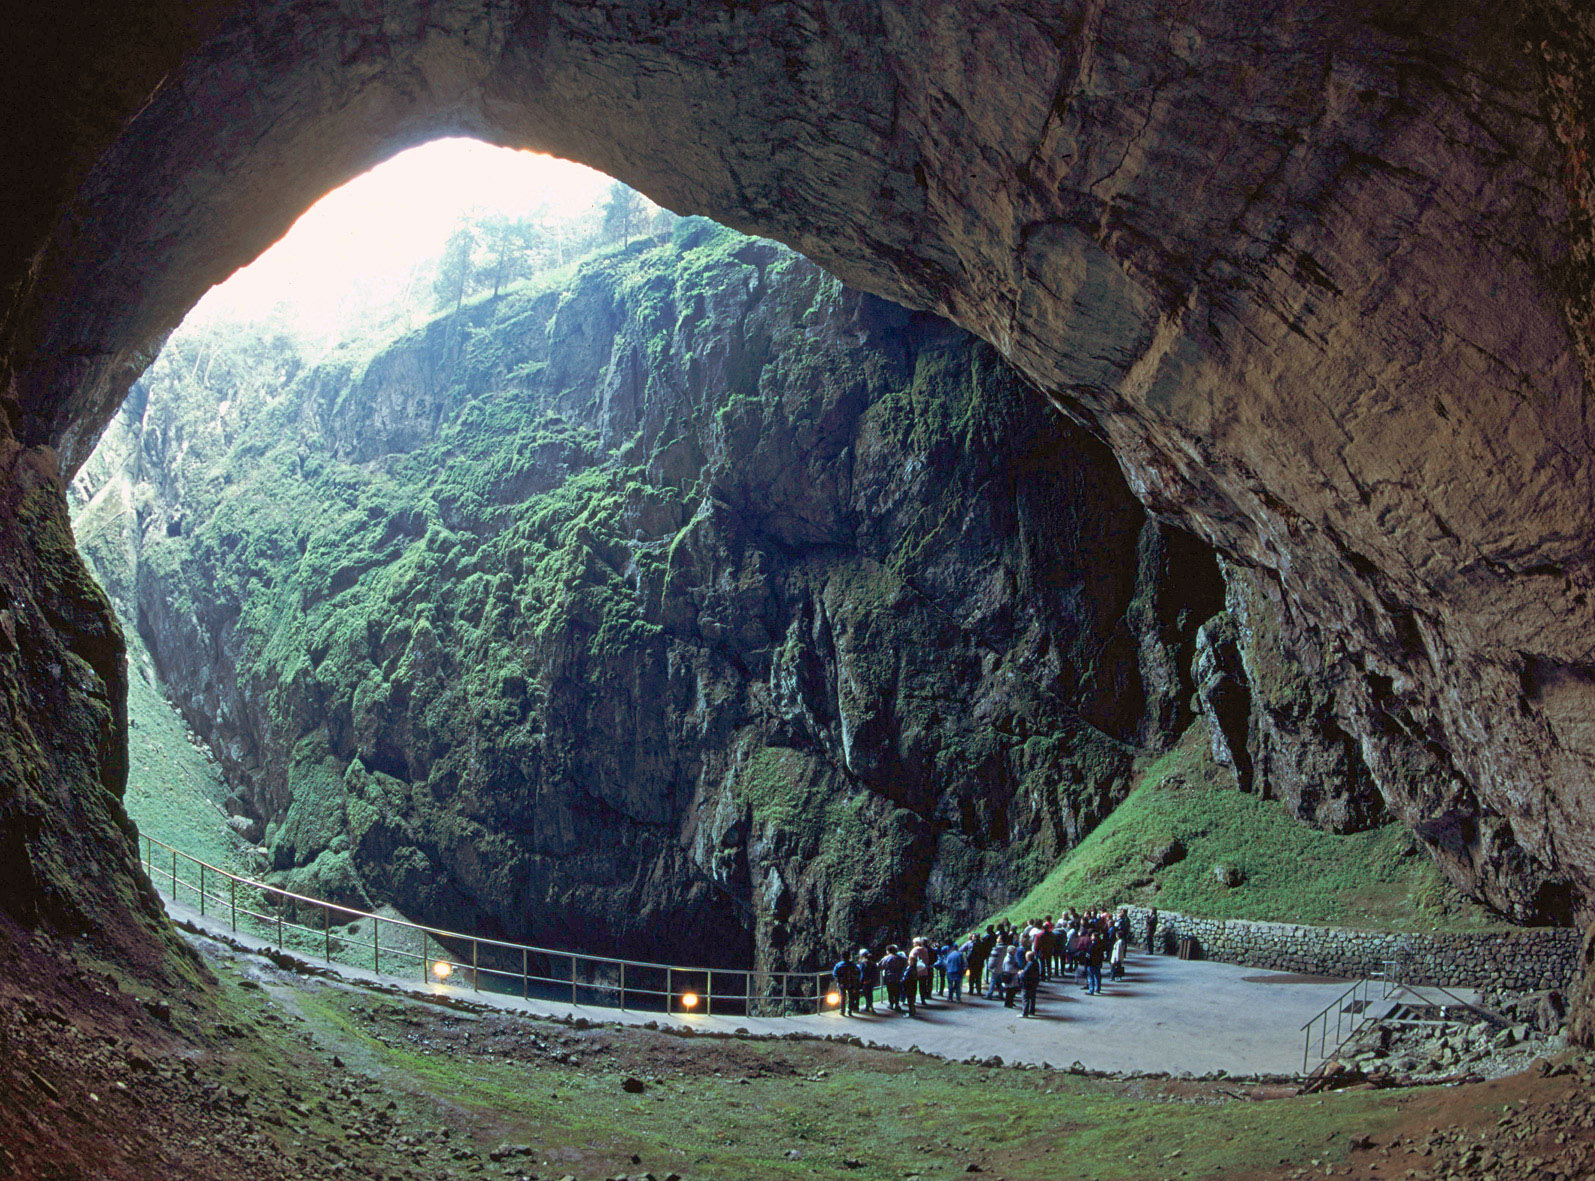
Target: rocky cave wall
1320 277
63 740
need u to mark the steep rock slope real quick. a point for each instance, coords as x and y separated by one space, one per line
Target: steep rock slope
686 604
63 753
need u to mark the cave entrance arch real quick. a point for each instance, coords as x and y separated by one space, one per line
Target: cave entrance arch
1249 250
313 705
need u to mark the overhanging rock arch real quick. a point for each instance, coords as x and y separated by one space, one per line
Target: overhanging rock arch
1311 273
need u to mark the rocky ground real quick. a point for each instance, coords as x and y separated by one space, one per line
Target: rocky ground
1507 1035
261 1074
1544 1127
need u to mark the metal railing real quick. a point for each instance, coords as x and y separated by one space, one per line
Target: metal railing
1457 1002
1352 1011
335 933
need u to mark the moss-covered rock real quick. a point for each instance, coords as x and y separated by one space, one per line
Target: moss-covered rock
68 865
683 603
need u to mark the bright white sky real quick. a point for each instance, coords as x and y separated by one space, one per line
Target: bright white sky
359 243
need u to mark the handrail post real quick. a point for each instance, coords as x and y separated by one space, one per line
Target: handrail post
201 889
622 986
475 985
174 875
526 982
573 977
326 930
279 926
376 946
670 989
423 957
232 883
708 996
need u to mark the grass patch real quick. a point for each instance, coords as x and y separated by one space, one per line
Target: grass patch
174 792
1376 880
798 1109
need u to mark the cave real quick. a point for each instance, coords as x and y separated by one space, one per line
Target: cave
1322 281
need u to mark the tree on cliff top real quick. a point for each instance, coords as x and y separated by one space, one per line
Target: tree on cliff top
625 213
506 247
454 268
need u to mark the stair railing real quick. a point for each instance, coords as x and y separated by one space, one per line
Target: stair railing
1352 1011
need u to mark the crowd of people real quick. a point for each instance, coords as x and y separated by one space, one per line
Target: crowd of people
1011 962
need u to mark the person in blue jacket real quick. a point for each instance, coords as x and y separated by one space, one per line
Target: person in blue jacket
869 976
952 963
994 969
845 973
1093 964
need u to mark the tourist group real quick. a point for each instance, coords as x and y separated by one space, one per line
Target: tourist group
1011 962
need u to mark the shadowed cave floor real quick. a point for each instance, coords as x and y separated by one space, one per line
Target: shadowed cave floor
268 1076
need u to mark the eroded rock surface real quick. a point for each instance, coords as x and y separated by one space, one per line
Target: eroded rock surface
63 742
1269 698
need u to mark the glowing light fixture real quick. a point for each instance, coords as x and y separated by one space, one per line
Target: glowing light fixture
689 1000
833 997
442 969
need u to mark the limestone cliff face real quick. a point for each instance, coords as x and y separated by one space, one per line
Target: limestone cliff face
1267 690
696 604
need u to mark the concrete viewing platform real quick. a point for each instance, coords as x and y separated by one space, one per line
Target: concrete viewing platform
1167 1014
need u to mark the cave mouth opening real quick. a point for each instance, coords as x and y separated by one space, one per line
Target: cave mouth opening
452 225
332 808
423 231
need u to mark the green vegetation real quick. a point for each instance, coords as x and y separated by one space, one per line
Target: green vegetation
784 1110
174 789
1291 873
851 839
425 593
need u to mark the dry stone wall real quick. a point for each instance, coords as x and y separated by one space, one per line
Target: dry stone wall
1520 960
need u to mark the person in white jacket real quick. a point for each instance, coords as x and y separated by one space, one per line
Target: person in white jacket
1012 967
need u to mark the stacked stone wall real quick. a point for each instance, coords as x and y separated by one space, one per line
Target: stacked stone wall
1520 960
